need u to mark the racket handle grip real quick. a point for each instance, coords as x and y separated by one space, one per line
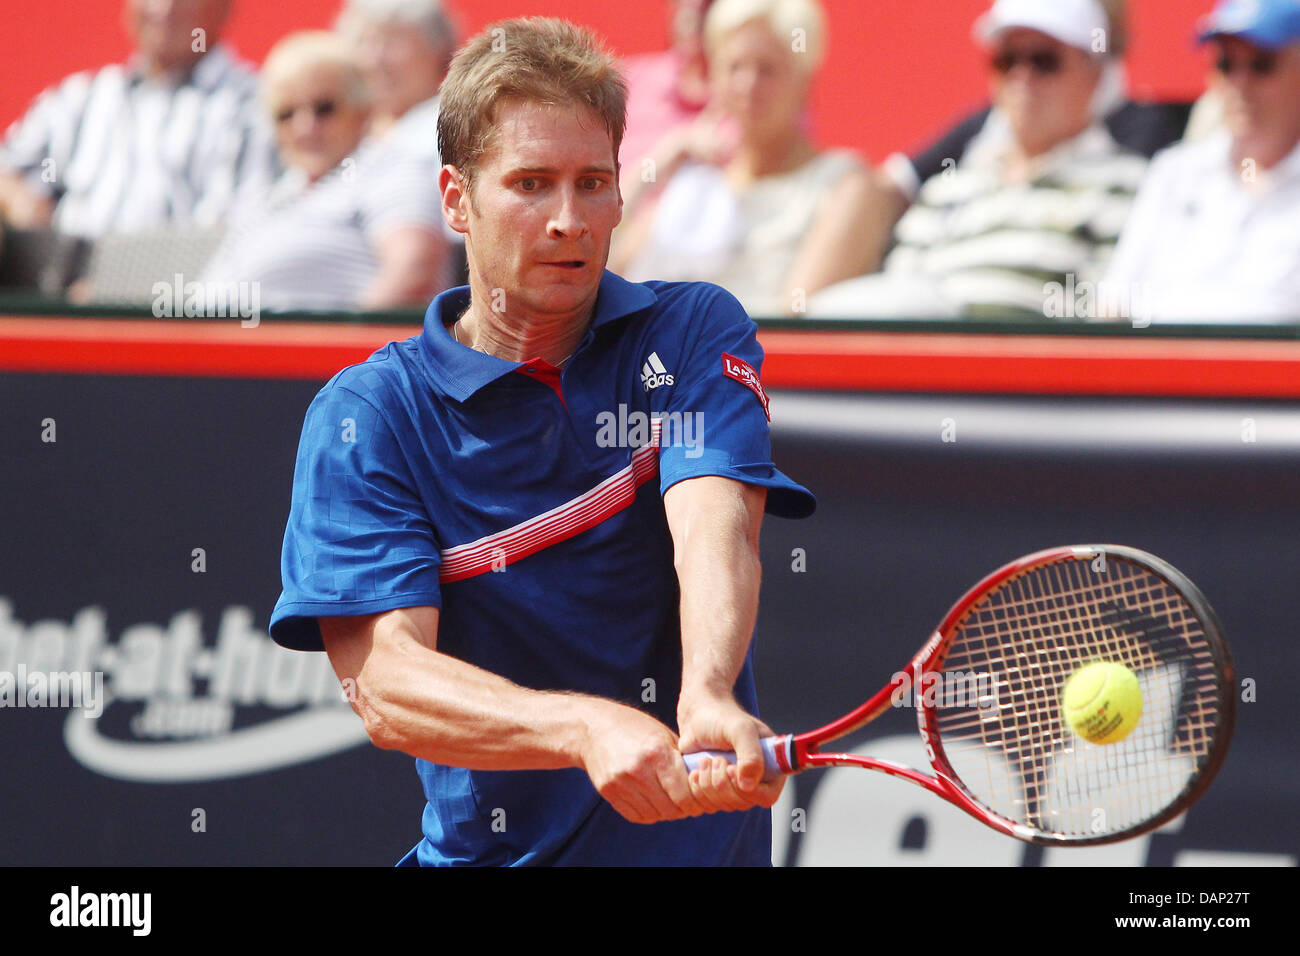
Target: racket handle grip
776 756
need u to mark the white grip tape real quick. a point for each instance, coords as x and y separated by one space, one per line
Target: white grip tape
769 745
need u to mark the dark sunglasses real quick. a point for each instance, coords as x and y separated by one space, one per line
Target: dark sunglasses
321 109
1262 65
1044 62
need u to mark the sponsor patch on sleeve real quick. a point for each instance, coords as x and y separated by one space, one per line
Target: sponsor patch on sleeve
744 373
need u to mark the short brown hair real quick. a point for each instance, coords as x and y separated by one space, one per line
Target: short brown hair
541 59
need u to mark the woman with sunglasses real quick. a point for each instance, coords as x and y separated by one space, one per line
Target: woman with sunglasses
346 226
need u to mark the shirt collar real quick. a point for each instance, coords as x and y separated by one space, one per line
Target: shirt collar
1093 141
209 72
460 372
991 146
1218 151
213 69
1286 170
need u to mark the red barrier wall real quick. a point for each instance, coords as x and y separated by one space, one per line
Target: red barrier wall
898 70
846 360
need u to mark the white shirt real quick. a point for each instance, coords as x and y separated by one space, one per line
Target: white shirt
415 133
313 246
747 240
122 152
1205 245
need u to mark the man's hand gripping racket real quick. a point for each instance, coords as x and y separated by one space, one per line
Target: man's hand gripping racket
999 746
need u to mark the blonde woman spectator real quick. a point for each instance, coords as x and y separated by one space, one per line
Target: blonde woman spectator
344 228
748 201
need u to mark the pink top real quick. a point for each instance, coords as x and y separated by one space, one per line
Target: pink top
654 106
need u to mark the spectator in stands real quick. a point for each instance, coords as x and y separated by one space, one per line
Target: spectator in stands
1214 235
404 47
1039 196
1146 128
776 221
166 138
665 89
338 230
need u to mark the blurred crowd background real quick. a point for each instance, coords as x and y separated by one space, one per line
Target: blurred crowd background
1051 188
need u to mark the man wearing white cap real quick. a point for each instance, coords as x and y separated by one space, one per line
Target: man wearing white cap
1038 198
1214 236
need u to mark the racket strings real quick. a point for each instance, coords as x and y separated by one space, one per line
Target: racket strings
1007 741
1106 645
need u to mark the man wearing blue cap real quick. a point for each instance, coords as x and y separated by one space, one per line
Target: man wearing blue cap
1213 234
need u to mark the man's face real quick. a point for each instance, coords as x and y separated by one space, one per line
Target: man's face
1044 87
163 30
402 67
316 122
1260 90
544 202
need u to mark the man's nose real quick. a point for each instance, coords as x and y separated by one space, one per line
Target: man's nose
567 219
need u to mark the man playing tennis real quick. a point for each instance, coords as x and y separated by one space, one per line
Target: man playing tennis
528 537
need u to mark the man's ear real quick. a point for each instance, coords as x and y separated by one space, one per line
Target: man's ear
455 199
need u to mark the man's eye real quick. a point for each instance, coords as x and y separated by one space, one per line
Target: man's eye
528 185
593 184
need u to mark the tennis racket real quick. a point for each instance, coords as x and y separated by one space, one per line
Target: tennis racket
987 692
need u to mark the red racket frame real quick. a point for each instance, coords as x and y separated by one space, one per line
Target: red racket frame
798 752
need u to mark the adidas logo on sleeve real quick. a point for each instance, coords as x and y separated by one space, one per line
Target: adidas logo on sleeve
654 374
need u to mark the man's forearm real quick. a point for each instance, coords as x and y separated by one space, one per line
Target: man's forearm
439 708
718 612
715 523
720 574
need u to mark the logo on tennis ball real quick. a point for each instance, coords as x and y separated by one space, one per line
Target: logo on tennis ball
1102 702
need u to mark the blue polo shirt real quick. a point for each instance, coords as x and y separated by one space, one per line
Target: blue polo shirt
526 503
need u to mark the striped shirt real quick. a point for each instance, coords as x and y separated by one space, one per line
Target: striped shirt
989 246
122 152
313 246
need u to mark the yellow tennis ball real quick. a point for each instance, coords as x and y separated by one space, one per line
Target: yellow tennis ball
1102 702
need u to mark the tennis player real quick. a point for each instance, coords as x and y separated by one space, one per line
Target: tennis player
528 537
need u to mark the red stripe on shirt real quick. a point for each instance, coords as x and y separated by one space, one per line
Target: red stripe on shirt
559 524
